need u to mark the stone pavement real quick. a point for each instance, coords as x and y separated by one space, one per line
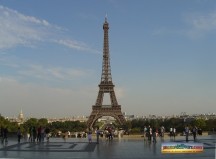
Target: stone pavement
124 148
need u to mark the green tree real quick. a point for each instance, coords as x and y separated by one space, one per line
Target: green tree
135 130
211 124
32 122
68 126
12 126
128 125
42 122
200 123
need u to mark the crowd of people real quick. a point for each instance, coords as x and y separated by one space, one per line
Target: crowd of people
34 134
38 134
151 133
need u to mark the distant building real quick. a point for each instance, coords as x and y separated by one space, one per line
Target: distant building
20 118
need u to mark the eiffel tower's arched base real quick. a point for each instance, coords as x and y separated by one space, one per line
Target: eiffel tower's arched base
100 111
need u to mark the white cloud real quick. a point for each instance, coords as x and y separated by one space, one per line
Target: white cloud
15 15
24 69
206 22
18 29
72 44
76 45
22 30
52 73
201 24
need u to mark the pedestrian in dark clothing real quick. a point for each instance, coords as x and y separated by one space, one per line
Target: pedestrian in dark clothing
194 131
5 134
149 133
186 133
47 131
90 136
39 134
2 134
31 137
154 134
19 134
34 134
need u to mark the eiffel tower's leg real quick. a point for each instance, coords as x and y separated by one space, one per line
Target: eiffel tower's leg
113 98
99 100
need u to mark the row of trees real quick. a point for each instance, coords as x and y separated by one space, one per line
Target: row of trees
55 127
135 126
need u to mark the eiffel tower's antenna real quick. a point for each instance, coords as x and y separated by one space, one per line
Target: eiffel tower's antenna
106 17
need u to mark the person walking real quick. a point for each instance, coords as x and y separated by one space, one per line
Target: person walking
145 132
34 133
31 138
39 134
174 133
5 135
19 134
90 136
149 133
2 134
171 133
187 133
42 134
154 134
162 130
194 132
47 131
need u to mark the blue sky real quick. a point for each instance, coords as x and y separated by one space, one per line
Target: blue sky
162 56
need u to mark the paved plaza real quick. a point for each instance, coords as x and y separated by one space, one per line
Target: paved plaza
123 148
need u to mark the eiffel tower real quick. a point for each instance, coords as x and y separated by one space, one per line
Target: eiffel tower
106 86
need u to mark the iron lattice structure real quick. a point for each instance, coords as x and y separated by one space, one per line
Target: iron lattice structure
106 86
